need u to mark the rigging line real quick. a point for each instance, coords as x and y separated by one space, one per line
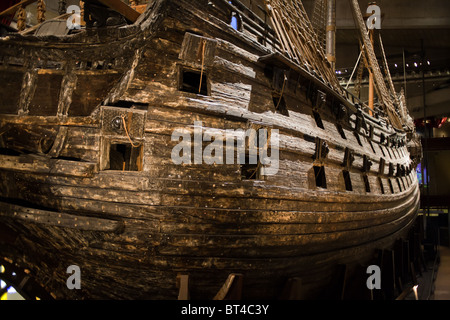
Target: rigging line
126 131
354 69
282 92
379 80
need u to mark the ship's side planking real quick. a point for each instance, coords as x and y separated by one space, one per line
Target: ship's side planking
77 188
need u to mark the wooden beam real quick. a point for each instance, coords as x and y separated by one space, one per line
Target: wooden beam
292 289
122 8
14 8
231 289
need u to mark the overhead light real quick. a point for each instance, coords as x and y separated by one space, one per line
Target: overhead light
415 64
428 62
396 65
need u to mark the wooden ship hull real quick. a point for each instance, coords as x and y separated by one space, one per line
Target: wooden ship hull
87 178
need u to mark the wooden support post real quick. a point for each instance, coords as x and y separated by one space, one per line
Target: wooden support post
406 258
413 273
232 288
398 258
183 286
388 275
342 273
448 224
355 283
415 249
421 232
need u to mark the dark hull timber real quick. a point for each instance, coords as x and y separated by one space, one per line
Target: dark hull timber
133 225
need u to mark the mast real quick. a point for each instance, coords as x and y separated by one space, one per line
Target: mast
331 33
371 78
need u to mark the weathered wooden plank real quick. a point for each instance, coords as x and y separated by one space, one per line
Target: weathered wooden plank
51 121
333 139
220 196
181 218
244 225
